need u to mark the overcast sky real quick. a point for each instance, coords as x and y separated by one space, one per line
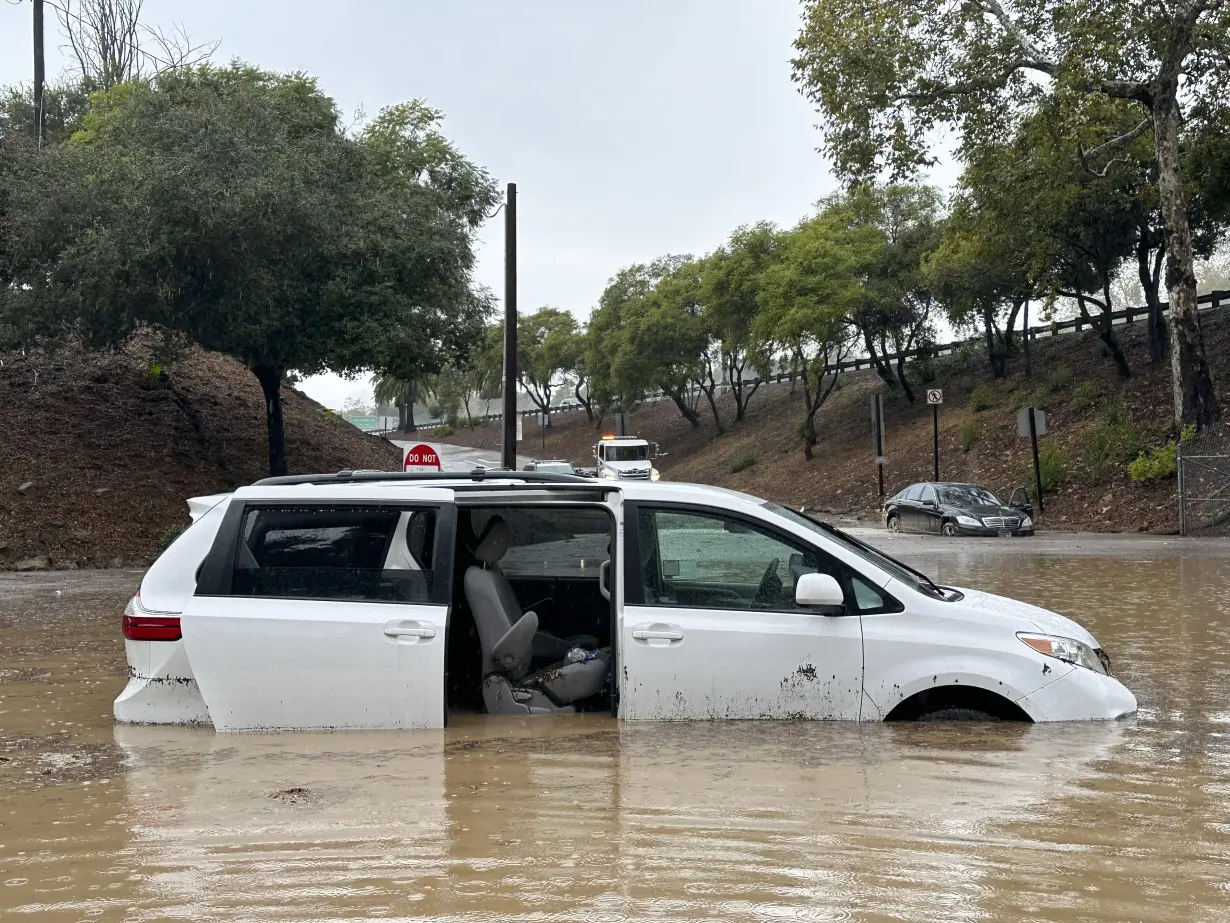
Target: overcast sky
632 129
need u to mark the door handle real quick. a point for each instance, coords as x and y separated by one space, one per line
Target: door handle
408 630
657 634
604 577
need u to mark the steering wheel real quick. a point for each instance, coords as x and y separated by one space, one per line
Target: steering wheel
770 589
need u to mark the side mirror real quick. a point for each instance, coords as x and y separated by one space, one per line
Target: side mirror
820 591
929 503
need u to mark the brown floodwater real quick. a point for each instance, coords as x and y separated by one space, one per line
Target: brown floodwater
584 819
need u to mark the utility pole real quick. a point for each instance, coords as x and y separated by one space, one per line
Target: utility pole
40 72
508 454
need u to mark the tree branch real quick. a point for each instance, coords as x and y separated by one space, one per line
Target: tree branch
1109 147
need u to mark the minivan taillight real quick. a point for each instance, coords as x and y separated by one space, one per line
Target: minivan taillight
140 625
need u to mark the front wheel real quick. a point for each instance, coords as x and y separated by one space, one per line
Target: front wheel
894 523
950 529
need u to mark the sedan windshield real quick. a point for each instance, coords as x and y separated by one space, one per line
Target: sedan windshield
899 571
554 467
968 495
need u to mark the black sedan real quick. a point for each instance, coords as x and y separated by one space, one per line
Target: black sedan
958 509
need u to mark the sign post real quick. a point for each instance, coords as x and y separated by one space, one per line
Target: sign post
1032 423
420 458
935 397
877 437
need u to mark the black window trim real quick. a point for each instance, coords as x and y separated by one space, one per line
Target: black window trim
218 569
634 587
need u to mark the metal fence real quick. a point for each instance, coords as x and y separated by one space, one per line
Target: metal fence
1204 483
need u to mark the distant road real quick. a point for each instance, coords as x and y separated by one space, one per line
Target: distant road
462 458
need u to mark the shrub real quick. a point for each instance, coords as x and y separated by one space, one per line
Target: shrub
969 435
1053 465
926 370
170 535
1022 399
980 399
1059 379
1156 462
1113 442
742 463
1086 395
443 430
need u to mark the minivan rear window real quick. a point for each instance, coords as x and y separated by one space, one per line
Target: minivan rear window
343 553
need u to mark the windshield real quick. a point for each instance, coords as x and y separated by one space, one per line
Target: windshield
903 572
554 467
968 495
627 453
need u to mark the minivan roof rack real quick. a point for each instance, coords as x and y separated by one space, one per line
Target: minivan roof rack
349 476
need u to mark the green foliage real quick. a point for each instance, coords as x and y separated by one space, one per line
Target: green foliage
742 462
969 435
170 535
1022 399
1059 380
1110 445
1054 465
444 429
231 206
1086 396
1156 463
926 370
980 399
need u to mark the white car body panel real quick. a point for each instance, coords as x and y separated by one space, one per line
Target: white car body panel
273 663
717 663
294 664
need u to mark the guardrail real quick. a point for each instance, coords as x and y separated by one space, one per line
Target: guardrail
1205 303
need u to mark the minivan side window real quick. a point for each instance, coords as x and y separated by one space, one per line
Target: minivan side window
709 561
345 553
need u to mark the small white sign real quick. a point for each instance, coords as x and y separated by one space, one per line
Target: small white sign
881 460
520 427
935 396
1022 423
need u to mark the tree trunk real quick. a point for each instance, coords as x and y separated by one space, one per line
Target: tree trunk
585 402
1029 371
1195 401
809 436
401 415
1149 271
999 362
40 72
270 378
905 382
882 369
688 413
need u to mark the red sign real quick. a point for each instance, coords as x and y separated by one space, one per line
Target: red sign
422 458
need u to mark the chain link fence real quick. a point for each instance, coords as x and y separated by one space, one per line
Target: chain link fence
1204 483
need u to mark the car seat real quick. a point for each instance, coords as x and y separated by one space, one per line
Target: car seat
506 636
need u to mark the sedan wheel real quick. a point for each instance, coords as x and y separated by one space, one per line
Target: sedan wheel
894 524
950 529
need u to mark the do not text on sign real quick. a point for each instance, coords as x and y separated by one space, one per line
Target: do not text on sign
421 457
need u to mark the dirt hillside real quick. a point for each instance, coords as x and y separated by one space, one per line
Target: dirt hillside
1085 401
99 456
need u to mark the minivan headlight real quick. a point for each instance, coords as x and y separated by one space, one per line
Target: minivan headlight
969 521
654 474
1069 650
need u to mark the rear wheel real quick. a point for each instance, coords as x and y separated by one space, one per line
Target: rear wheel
894 523
950 529
956 714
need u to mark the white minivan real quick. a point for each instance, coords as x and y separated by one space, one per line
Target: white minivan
376 600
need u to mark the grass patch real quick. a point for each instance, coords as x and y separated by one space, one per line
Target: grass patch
1059 379
1086 396
443 430
1054 466
969 435
1022 399
980 399
742 463
1110 445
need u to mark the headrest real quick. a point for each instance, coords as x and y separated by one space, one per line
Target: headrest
494 541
